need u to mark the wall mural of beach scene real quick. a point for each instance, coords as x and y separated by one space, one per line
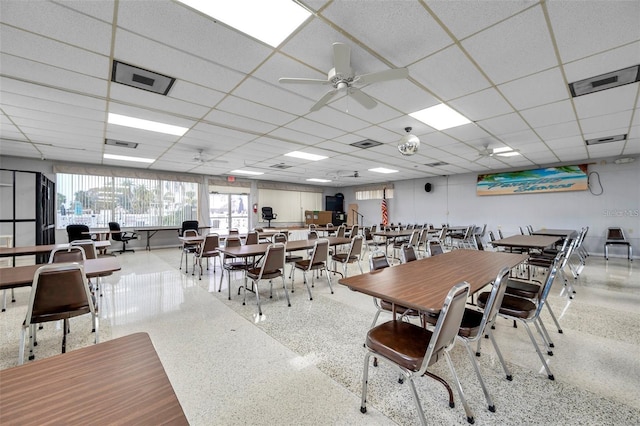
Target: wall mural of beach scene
548 179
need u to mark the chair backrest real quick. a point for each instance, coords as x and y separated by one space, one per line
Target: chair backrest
521 231
280 237
374 228
478 240
211 243
355 229
530 229
407 253
65 255
368 236
89 247
424 235
114 230
443 233
234 231
491 236
77 232
329 225
378 260
267 213
494 301
320 251
312 235
546 288
435 248
415 236
446 329
274 259
233 241
615 234
190 233
189 224
252 238
313 227
59 290
500 233
356 246
341 230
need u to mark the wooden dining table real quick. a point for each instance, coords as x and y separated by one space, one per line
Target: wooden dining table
251 250
423 284
526 242
561 233
42 249
121 381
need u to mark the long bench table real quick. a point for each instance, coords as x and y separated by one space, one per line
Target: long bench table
153 230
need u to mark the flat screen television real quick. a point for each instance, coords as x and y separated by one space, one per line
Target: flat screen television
333 203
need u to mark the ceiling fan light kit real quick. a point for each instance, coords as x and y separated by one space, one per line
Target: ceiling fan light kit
409 143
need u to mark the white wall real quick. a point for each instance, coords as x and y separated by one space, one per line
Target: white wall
453 200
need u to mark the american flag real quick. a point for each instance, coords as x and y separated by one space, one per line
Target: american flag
385 214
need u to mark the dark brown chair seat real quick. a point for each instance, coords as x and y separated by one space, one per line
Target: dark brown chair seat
512 306
254 274
401 342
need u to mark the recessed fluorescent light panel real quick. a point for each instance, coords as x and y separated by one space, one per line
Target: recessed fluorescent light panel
127 158
269 21
318 180
440 117
305 156
153 126
245 172
383 170
507 153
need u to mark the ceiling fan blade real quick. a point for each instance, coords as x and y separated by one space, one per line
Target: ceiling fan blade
302 81
341 58
374 77
363 99
323 100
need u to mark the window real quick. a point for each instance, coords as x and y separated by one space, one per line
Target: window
374 193
133 202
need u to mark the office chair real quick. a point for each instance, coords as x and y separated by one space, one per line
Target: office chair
77 232
268 215
124 237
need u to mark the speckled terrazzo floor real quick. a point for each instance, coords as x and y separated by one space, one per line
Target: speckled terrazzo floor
303 364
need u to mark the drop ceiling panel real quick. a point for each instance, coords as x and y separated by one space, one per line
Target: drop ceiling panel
606 101
599 25
233 120
58 23
504 124
573 142
215 41
561 130
149 100
291 135
26 106
20 149
245 108
140 136
403 95
380 134
37 93
605 149
391 21
466 18
380 113
313 128
332 117
41 49
449 74
632 147
273 96
508 51
467 132
611 122
545 115
538 89
482 105
611 60
50 76
195 94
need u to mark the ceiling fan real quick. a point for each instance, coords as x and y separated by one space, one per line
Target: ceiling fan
343 174
492 152
343 79
201 158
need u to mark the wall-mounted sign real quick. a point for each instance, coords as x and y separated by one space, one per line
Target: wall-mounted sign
550 179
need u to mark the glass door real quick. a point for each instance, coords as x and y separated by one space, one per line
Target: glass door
229 211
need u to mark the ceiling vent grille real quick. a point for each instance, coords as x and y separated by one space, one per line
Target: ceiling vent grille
140 78
437 164
616 138
367 143
281 166
121 144
605 81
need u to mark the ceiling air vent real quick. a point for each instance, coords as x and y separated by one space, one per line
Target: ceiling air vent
437 164
605 81
367 143
121 144
141 79
616 138
281 166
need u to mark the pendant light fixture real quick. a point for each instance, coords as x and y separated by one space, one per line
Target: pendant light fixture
409 143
